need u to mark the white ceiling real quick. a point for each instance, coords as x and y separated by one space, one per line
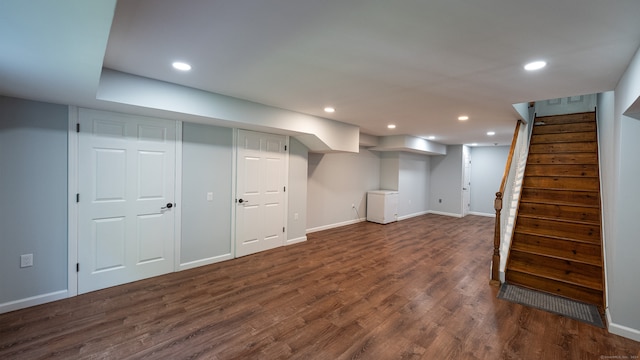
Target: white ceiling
417 64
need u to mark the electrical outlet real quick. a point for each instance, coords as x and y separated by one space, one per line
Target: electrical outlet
209 196
26 260
295 216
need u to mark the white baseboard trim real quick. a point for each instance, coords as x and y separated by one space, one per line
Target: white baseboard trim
405 217
482 214
445 213
33 301
207 261
331 226
629 333
295 241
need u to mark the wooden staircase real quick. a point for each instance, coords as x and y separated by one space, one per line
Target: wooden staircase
556 246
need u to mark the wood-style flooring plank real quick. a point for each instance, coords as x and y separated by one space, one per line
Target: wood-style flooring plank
415 289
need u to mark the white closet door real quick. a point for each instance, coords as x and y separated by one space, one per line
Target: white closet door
126 219
260 189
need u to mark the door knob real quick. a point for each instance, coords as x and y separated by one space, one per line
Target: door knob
169 206
241 201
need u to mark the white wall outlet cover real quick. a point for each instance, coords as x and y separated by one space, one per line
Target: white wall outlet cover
26 260
209 196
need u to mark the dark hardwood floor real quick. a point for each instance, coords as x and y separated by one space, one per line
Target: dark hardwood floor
418 288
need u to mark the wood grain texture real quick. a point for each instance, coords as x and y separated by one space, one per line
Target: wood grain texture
414 289
557 235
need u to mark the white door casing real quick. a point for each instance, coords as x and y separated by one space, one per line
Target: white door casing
126 181
260 192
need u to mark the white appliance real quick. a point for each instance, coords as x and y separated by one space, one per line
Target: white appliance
382 206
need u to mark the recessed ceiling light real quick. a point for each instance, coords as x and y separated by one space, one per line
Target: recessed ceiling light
474 144
491 133
536 65
391 126
463 118
431 137
181 66
329 109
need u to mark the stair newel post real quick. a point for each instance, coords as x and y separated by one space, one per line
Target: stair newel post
495 267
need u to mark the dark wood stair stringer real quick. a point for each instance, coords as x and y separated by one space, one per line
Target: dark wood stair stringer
557 246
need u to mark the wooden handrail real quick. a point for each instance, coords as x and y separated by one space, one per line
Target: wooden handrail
497 205
507 168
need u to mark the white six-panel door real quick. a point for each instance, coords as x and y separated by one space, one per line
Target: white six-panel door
260 192
126 167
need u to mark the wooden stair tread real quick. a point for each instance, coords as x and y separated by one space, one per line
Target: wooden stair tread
535 251
561 203
563 137
563 238
556 287
590 214
562 182
558 189
561 249
567 118
561 196
571 147
563 158
562 170
565 128
569 272
564 220
588 233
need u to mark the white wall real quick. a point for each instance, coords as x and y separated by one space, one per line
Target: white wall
34 216
206 168
297 216
621 220
487 169
193 105
337 180
607 145
33 210
389 170
414 181
446 182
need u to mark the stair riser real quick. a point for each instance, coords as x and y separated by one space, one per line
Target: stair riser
585 147
567 119
563 137
577 198
564 128
570 250
565 183
562 270
562 170
563 159
556 287
579 232
575 213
